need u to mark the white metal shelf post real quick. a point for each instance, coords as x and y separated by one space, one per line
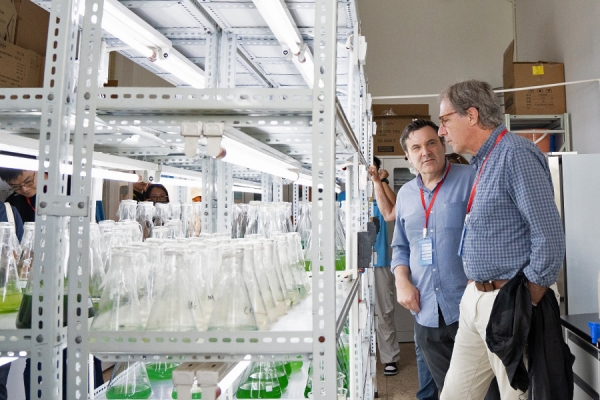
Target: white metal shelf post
266 187
224 196
53 204
323 200
277 189
81 195
209 197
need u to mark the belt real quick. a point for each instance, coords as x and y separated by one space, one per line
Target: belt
488 286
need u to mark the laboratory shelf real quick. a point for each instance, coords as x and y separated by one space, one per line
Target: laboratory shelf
290 334
13 342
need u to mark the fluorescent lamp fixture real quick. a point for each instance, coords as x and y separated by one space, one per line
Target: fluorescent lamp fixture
277 16
12 162
246 189
239 154
179 66
114 175
167 180
304 180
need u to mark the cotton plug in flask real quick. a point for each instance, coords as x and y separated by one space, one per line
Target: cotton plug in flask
233 309
129 381
10 288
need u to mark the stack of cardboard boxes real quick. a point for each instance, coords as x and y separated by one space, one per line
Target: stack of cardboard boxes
391 119
23 33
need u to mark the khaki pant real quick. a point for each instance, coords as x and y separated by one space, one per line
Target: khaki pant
473 366
385 301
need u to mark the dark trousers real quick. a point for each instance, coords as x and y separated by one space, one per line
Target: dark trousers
4 370
436 345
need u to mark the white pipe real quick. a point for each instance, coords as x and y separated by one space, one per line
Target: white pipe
417 96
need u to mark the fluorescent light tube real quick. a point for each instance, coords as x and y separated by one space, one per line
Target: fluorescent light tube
114 175
277 16
304 180
12 162
180 182
245 156
245 189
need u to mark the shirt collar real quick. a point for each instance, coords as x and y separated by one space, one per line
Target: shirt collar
420 180
487 146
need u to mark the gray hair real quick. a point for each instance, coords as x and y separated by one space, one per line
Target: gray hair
476 94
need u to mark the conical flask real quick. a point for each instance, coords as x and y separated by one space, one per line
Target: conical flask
259 381
127 210
304 225
26 255
195 391
145 212
143 271
175 210
256 297
10 288
282 263
158 371
119 307
175 229
187 217
297 261
263 282
307 253
198 276
340 241
277 287
129 381
233 308
97 272
172 307
196 226
163 213
160 232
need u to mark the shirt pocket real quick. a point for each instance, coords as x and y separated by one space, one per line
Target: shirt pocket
454 214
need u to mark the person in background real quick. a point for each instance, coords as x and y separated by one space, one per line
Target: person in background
157 193
196 195
139 189
387 343
456 158
512 225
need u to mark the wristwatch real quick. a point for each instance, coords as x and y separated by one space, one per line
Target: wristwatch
385 180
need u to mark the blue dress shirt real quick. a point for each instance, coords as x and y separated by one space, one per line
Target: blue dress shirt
442 283
381 241
514 223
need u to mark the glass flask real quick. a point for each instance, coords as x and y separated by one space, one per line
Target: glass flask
296 265
340 240
296 364
287 215
106 228
263 282
127 210
158 371
253 218
259 381
271 270
129 381
175 229
283 372
119 306
26 255
10 288
281 260
196 391
196 224
133 228
172 306
144 277
233 309
175 210
256 297
187 216
163 213
304 225
97 272
197 263
308 387
145 212
160 232
237 221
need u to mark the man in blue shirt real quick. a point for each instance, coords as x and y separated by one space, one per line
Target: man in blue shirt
512 224
429 213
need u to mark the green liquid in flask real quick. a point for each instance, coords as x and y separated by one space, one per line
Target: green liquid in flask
197 395
296 365
128 392
340 264
258 390
160 371
307 265
11 300
282 378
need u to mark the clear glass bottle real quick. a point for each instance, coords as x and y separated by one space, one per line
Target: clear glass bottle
263 282
281 260
145 212
187 216
163 213
175 210
233 309
97 272
129 381
25 260
127 210
256 296
268 261
172 306
259 381
10 288
175 229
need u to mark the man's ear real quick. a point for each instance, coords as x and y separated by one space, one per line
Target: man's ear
473 115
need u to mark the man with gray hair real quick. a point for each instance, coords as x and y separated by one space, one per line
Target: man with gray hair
511 225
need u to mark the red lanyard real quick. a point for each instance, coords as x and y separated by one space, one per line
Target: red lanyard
435 192
474 188
29 202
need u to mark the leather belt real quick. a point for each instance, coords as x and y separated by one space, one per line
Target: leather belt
488 286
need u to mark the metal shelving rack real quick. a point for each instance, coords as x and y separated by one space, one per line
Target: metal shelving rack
551 124
319 128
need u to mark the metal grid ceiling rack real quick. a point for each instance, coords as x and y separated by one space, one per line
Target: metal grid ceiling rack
264 101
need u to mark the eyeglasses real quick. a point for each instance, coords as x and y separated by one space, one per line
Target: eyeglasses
27 183
158 199
445 121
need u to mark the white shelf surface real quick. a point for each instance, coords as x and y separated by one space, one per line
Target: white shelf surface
13 342
291 334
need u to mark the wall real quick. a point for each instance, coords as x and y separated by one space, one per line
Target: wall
568 32
422 46
129 74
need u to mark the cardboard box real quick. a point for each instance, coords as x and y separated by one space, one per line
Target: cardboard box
19 67
8 20
32 26
391 120
550 100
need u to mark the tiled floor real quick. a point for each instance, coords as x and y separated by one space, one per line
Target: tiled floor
403 386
